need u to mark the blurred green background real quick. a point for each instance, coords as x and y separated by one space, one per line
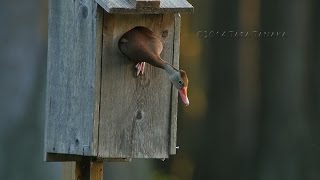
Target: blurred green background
255 100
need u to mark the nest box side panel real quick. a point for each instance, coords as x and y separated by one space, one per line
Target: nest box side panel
135 112
71 77
174 92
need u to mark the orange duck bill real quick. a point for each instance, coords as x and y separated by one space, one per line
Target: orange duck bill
184 97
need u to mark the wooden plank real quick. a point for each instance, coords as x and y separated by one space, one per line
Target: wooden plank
129 7
68 171
84 169
147 3
118 160
52 157
96 170
88 170
135 111
174 92
98 29
71 76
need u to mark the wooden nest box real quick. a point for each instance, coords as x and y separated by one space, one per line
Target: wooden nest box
96 106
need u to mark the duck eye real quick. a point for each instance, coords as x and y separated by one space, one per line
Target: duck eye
180 82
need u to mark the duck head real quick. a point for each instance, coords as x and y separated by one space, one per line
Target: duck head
180 80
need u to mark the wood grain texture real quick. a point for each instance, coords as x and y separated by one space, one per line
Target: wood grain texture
96 170
129 7
88 169
135 111
96 121
147 3
71 77
68 171
174 92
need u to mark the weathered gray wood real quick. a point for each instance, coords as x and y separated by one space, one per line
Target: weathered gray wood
147 3
174 92
71 84
128 6
95 104
134 111
98 29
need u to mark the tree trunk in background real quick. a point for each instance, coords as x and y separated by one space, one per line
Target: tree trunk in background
286 133
312 106
284 138
22 78
218 158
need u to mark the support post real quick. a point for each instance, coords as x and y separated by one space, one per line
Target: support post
86 169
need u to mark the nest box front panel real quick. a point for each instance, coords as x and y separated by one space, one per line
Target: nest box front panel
136 113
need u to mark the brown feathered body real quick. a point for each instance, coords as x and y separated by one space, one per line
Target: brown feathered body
142 45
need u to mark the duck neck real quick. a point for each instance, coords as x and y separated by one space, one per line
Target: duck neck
171 71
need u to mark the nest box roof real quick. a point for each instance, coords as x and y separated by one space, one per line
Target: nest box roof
145 6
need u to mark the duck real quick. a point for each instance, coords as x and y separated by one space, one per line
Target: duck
141 46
